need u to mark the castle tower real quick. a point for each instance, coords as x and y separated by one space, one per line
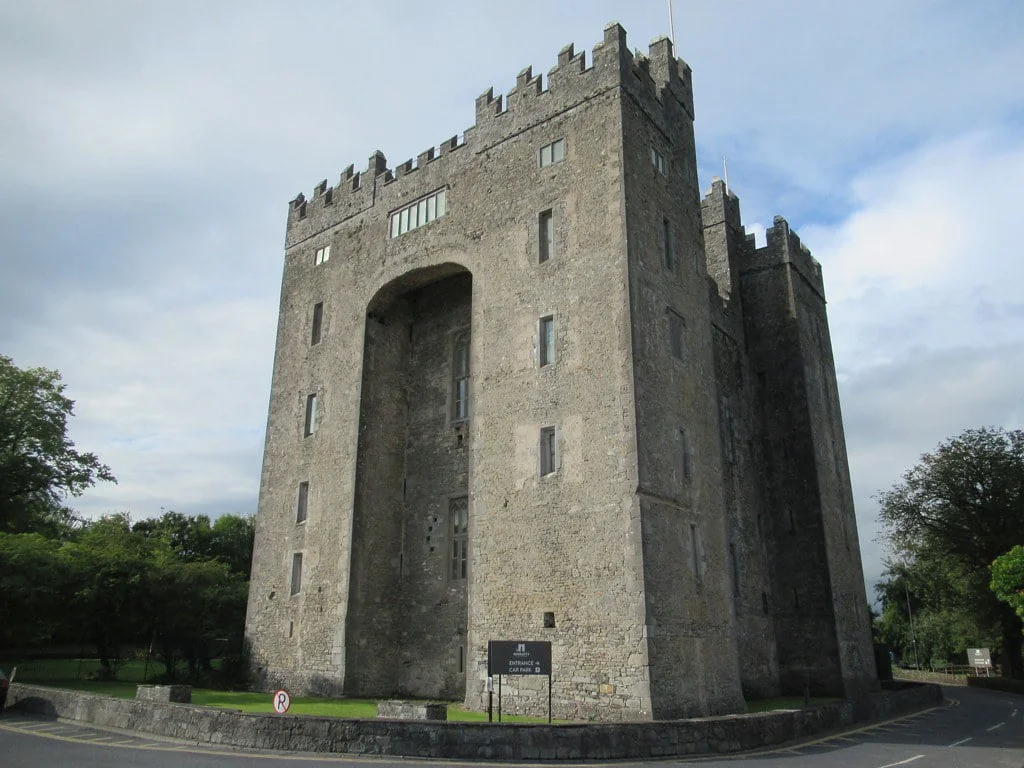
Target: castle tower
496 413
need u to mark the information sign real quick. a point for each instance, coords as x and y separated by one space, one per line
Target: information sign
518 657
979 657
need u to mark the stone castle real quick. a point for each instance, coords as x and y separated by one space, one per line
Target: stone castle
532 387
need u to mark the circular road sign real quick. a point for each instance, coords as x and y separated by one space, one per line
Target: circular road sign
282 701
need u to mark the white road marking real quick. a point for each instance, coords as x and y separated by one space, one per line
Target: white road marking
902 762
1014 713
962 741
997 725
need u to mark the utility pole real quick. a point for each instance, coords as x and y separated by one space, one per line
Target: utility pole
910 613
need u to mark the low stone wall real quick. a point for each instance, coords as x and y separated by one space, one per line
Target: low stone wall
182 694
583 741
411 710
924 676
1005 684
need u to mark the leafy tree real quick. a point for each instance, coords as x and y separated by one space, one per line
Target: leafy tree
33 583
39 465
1008 579
962 505
194 539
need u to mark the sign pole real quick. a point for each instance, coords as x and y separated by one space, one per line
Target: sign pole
549 698
499 698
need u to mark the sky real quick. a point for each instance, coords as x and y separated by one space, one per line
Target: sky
148 151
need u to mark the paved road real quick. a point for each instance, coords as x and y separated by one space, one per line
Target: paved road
975 729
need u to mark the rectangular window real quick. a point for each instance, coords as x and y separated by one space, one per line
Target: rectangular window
318 321
728 431
302 502
548 451
419 213
547 340
296 573
545 235
322 255
666 244
460 378
551 153
658 161
310 426
676 324
458 526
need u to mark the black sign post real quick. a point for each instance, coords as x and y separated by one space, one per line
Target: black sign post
518 657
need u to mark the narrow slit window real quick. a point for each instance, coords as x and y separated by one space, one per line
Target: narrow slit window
460 378
658 161
735 570
545 235
548 451
318 322
311 414
302 502
676 324
547 340
695 545
296 573
666 244
684 458
458 515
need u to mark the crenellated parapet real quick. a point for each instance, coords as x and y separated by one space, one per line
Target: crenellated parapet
659 81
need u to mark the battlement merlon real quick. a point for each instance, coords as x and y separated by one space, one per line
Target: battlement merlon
651 78
720 206
783 246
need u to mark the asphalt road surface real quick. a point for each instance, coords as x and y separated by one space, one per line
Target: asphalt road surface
973 729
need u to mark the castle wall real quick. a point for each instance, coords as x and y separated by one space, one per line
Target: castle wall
647 553
739 418
689 617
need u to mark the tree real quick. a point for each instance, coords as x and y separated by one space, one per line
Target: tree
963 504
1008 579
39 465
33 585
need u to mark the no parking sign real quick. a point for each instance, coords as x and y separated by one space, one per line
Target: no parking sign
282 701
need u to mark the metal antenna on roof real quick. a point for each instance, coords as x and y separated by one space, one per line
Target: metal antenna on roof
671 24
725 170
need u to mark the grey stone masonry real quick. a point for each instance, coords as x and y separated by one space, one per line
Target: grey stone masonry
396 709
554 395
181 694
468 741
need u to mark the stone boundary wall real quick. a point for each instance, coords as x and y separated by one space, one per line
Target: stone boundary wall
584 741
1005 684
923 676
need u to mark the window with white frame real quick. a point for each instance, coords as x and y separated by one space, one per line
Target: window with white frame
458 526
322 255
548 451
676 324
296 573
302 502
310 423
416 215
460 377
546 340
551 153
658 161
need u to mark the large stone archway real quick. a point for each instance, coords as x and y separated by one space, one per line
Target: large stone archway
406 618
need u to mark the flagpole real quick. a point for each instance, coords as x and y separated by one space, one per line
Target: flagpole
671 24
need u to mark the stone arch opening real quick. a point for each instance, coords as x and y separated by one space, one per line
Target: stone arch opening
407 608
